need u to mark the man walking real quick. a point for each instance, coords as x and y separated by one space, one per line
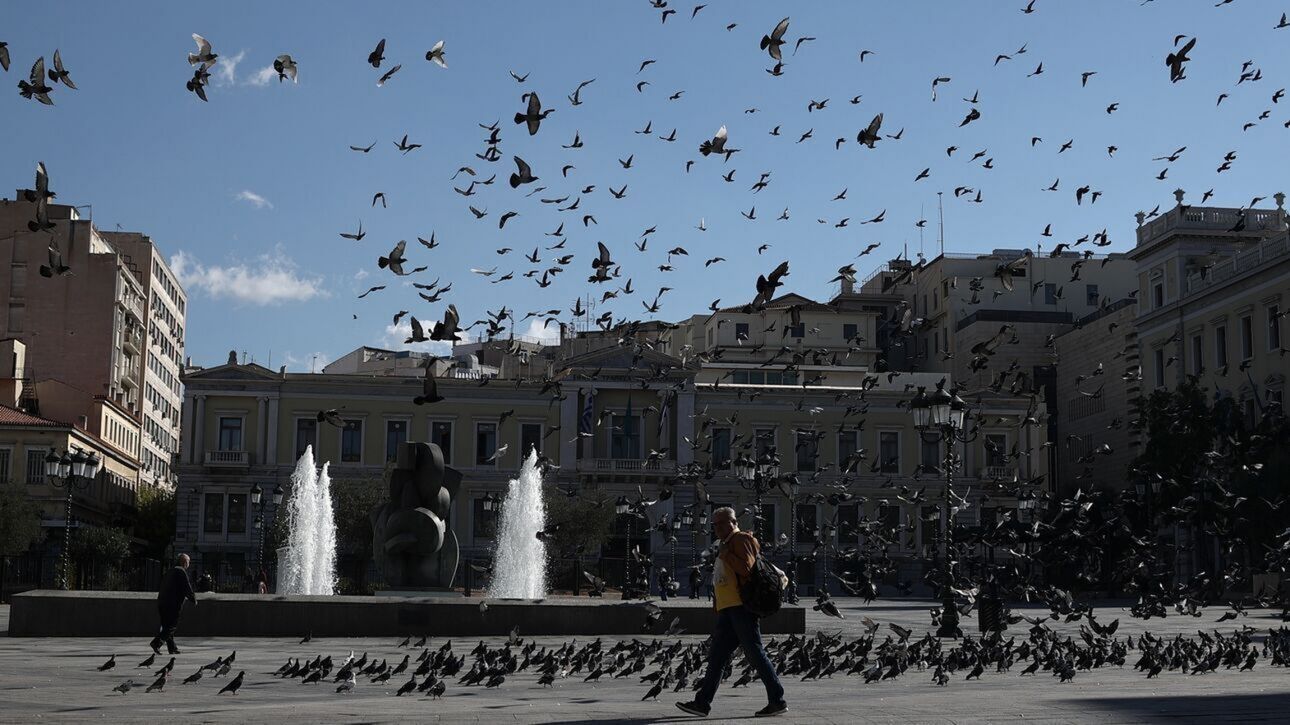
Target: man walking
175 588
736 626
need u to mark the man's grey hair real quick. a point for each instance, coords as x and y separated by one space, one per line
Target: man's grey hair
725 512
182 560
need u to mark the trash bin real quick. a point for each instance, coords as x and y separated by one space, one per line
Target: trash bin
989 614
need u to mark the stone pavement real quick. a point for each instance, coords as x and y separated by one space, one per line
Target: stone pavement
54 680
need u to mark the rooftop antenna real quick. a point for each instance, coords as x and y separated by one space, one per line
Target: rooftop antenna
940 210
920 230
312 359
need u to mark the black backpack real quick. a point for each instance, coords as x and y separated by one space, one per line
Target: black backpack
763 592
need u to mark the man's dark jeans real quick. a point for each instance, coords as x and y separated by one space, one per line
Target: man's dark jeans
737 627
166 632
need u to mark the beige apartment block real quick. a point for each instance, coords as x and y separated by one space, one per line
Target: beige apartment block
111 329
1099 380
1212 284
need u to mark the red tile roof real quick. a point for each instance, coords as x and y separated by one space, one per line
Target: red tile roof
13 416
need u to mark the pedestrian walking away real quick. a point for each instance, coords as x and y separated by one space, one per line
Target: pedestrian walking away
175 588
737 626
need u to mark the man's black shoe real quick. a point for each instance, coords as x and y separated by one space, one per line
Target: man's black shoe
775 708
174 651
156 647
693 708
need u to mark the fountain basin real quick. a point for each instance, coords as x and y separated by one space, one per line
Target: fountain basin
57 613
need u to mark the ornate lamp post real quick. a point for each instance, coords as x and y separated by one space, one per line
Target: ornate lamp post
758 476
939 417
74 472
623 506
257 500
792 490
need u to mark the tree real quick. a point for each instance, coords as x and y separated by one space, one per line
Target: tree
19 521
99 544
581 526
156 521
352 502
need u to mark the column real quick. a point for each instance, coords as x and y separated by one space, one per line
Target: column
261 425
271 455
197 449
569 431
683 419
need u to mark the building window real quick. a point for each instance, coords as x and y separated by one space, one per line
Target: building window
1220 346
930 455
1050 293
721 449
889 451
485 443
1160 368
889 521
441 435
396 432
213 514
1274 328
530 439
230 433
848 446
625 437
1090 295
996 450
1158 296
807 447
807 523
306 435
6 456
1197 355
849 331
848 524
351 442
798 330
484 522
35 466
765 441
237 513
741 331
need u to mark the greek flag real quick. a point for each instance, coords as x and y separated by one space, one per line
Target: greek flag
588 411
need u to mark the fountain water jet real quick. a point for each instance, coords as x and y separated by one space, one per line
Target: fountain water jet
519 564
309 564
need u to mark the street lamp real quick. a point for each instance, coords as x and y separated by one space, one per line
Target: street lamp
758 476
258 501
624 507
940 417
74 472
792 489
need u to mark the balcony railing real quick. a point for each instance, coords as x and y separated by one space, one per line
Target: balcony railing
1214 219
228 459
1000 473
1256 256
626 465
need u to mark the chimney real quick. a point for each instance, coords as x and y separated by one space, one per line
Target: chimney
848 285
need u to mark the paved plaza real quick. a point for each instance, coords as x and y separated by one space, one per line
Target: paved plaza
55 680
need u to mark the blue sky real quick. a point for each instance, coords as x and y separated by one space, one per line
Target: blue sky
252 189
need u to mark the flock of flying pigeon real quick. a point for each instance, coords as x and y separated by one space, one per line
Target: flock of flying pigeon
1071 531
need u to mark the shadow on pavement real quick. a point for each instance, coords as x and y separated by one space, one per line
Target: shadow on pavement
1272 707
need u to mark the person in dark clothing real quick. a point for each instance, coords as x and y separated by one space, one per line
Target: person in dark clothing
175 588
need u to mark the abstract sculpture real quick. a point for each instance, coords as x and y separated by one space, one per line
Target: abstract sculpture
413 545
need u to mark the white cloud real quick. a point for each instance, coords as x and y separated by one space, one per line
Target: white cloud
226 68
254 199
270 280
549 335
313 361
362 273
262 77
396 334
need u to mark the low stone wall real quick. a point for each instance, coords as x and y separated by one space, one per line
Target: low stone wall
55 613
